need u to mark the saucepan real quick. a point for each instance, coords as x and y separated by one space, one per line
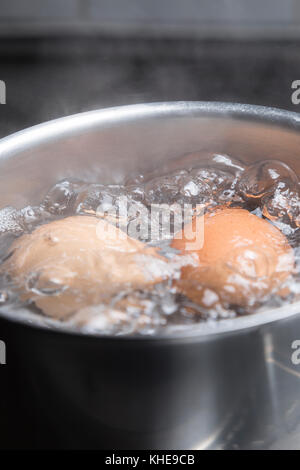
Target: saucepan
228 384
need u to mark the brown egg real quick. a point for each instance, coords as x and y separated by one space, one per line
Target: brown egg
243 259
72 263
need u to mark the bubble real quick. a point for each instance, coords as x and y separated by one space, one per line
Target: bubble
10 221
135 180
219 171
164 189
194 190
3 297
128 313
250 264
135 193
94 195
228 164
263 177
283 203
61 199
97 196
181 187
268 189
37 286
31 216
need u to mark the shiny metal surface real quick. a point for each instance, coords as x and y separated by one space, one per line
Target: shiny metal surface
228 386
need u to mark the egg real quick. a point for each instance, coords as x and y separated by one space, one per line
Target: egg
243 260
72 263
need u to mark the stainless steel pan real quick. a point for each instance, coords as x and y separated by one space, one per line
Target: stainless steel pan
232 385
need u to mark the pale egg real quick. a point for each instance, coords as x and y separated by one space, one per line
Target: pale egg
69 264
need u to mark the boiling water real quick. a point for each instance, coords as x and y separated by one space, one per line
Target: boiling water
269 189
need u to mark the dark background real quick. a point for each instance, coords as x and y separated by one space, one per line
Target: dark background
51 77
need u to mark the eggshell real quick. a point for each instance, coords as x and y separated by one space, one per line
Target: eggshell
243 259
69 264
